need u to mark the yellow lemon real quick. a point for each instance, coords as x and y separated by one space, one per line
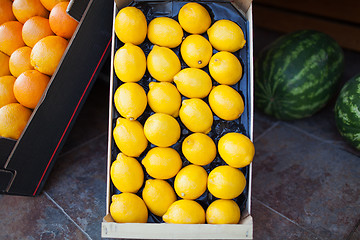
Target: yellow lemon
223 211
226 35
128 208
129 63
164 97
226 102
130 100
193 83
162 130
185 211
129 137
126 174
163 64
236 149
158 195
226 182
194 18
199 149
225 68
190 182
196 115
13 120
165 32
162 163
130 25
196 51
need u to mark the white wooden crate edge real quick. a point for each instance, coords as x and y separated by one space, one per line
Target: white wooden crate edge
243 230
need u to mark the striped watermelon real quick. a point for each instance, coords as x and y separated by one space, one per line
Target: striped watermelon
347 111
297 74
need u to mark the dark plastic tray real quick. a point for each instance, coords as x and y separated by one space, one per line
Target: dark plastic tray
218 10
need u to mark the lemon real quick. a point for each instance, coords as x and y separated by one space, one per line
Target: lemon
158 195
226 102
223 211
165 32
163 64
185 211
162 130
130 100
225 68
196 115
194 18
193 83
162 163
129 137
199 149
129 63
164 97
128 208
126 174
236 149
226 35
130 25
226 182
190 182
196 51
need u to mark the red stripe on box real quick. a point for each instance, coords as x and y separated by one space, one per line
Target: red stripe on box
77 106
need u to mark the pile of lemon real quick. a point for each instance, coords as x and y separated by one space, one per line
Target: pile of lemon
171 190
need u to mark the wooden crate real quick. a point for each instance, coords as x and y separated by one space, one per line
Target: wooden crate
340 20
242 230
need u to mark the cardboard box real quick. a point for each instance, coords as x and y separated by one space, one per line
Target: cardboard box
150 230
25 164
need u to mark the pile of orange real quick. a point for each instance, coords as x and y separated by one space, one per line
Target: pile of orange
34 35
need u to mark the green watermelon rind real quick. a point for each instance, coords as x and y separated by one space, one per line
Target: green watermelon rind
347 111
296 75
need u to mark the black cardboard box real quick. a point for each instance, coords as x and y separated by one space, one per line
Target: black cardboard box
25 164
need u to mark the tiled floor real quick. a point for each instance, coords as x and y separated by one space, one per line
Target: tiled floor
306 179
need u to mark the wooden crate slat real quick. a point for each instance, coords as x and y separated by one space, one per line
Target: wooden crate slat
347 35
345 10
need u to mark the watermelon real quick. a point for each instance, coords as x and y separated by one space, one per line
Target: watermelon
347 111
297 74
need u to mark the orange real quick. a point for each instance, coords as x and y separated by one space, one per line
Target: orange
35 29
29 87
6 90
49 4
6 13
13 119
20 61
10 37
46 54
60 22
4 64
25 9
